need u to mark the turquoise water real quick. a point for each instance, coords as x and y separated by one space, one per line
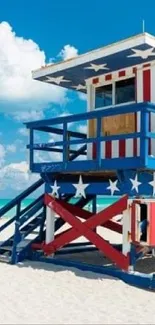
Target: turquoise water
101 203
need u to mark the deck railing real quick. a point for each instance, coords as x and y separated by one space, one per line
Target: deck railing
65 145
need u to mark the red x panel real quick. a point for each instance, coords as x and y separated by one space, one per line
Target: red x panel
86 229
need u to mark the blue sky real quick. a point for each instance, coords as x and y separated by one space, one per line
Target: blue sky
33 30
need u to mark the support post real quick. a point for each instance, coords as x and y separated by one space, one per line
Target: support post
50 225
126 231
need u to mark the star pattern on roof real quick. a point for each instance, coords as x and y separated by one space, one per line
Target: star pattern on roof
97 67
79 87
144 54
56 80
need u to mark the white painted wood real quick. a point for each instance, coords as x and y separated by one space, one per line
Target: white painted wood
96 54
50 225
126 231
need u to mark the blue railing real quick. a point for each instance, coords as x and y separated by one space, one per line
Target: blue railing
20 218
65 145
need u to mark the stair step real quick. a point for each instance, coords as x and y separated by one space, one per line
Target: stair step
6 248
4 258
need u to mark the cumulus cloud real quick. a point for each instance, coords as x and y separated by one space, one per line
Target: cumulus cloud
68 52
23 132
2 154
16 176
11 148
29 115
18 91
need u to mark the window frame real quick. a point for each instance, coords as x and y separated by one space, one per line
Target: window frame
113 83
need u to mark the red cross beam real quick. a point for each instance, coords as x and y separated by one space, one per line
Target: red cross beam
86 229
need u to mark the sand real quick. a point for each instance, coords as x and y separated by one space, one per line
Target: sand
39 293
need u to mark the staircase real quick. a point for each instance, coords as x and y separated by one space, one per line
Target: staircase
24 227
27 225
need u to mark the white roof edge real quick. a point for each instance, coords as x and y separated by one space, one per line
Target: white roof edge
95 54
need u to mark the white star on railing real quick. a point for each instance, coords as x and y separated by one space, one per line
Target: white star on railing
112 187
55 189
80 188
152 183
135 183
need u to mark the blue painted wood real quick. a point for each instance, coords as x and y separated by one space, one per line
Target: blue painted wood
141 280
122 109
89 165
30 213
99 163
21 197
98 139
31 150
78 73
100 186
60 131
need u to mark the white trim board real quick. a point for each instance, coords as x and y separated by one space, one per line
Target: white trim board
96 54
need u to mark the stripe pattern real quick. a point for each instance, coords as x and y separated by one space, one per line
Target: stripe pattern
145 79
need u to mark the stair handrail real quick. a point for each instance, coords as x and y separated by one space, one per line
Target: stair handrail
21 197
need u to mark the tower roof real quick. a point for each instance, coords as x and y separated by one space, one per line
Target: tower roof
73 73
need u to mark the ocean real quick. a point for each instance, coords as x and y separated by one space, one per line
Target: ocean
102 202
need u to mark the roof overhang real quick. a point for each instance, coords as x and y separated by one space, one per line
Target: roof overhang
73 73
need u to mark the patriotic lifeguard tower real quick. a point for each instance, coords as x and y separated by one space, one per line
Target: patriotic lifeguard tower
115 156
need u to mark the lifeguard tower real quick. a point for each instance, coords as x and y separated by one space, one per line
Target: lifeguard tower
116 156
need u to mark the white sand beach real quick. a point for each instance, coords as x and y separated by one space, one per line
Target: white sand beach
39 293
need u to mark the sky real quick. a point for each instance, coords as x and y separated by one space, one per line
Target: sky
36 32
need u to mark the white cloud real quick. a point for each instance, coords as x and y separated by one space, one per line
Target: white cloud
18 91
68 52
16 176
23 131
82 96
11 148
82 128
2 154
30 115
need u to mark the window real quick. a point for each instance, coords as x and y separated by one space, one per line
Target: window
119 92
125 91
103 96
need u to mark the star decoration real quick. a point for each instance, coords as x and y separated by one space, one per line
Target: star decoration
135 183
152 183
80 188
97 67
79 87
112 187
56 80
144 54
55 189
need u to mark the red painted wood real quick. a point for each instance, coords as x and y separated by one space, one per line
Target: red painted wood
94 150
95 80
147 94
152 225
146 85
122 73
108 77
121 148
81 229
84 214
108 149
